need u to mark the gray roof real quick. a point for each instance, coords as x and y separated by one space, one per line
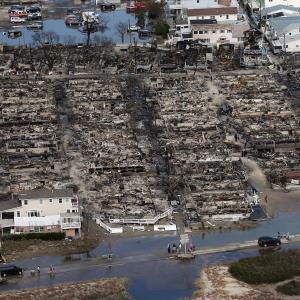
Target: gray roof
292 38
285 24
8 204
273 9
46 193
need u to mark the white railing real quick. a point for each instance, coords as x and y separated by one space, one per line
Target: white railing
71 225
142 221
108 228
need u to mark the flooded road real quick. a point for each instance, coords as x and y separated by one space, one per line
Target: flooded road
143 260
70 35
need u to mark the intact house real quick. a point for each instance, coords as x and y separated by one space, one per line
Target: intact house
216 33
283 34
280 11
176 9
212 25
270 3
256 5
42 210
218 14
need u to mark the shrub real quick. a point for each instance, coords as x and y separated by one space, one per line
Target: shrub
270 268
291 288
46 236
162 29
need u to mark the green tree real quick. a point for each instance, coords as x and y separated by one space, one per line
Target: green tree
162 29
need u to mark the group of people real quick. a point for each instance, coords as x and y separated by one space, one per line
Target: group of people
178 249
51 271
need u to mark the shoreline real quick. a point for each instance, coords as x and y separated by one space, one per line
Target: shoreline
105 289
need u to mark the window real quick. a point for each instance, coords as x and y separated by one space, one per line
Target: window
221 16
297 46
18 214
205 31
33 213
60 200
227 17
197 1
25 202
68 210
74 202
200 32
286 46
212 17
290 33
202 17
50 200
214 31
41 201
229 31
222 31
195 32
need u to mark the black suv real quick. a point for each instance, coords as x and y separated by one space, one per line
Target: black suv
8 270
266 241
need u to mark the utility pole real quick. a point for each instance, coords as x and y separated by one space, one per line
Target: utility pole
284 48
260 16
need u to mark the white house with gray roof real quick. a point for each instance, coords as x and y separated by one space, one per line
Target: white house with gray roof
42 210
260 4
283 34
280 11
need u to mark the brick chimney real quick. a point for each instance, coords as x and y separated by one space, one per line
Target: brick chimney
224 2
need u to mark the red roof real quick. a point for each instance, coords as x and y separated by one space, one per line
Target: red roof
212 11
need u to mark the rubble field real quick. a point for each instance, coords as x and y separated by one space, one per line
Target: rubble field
134 145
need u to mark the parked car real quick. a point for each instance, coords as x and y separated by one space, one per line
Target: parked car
134 28
10 270
266 241
17 20
16 7
34 13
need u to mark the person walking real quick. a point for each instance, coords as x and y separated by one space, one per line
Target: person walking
38 271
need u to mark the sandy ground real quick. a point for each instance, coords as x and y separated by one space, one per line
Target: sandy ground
217 283
106 289
275 201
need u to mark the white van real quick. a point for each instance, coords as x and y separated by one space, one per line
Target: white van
17 20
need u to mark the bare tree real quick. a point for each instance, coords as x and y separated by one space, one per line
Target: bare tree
121 29
47 41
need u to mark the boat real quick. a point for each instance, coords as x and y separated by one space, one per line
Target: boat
107 6
134 28
144 33
74 11
90 17
12 34
34 13
73 20
18 13
35 26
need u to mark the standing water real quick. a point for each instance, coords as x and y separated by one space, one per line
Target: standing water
69 35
